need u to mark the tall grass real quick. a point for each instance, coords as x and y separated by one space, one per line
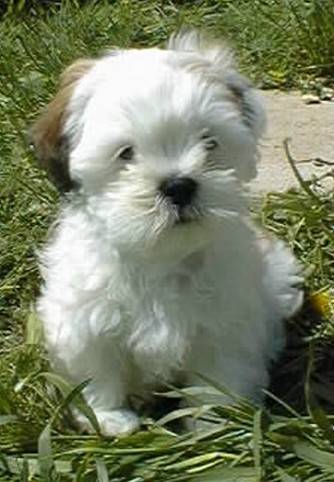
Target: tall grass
283 43
275 46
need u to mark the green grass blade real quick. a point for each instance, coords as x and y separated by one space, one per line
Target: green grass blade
45 456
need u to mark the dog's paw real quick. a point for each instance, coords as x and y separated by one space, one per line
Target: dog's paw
113 423
284 279
118 422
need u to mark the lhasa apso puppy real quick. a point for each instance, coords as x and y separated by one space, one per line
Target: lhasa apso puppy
154 271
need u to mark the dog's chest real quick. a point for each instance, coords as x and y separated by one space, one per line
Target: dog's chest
163 314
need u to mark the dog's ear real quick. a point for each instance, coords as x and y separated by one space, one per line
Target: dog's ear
51 146
248 102
223 66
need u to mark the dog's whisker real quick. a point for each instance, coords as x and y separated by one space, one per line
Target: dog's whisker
222 213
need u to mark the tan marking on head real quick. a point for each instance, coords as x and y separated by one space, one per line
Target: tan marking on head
46 133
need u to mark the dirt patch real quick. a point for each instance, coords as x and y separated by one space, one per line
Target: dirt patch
311 130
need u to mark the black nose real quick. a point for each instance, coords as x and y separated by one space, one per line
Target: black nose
179 190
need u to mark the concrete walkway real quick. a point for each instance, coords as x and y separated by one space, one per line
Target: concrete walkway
311 130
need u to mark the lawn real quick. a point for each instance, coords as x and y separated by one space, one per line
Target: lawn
279 43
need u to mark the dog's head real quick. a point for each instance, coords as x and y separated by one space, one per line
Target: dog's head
157 142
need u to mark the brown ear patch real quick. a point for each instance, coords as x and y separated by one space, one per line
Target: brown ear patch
46 134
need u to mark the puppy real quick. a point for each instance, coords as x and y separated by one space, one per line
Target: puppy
154 272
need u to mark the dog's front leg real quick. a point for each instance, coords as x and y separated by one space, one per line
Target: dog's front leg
106 392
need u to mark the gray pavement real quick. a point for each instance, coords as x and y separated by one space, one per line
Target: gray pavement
311 130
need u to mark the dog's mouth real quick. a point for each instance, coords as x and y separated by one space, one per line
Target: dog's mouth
187 215
183 220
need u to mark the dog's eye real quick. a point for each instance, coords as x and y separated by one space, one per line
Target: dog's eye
209 143
126 153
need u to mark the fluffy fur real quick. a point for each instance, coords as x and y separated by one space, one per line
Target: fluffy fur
140 288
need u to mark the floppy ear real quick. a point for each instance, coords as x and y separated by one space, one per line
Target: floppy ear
220 58
47 135
251 108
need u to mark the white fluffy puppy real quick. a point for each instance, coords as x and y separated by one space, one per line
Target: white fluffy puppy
154 271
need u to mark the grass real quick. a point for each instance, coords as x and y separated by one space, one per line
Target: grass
280 43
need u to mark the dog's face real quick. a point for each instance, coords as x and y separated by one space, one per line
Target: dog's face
157 142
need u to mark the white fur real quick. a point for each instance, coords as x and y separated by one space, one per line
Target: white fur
132 298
